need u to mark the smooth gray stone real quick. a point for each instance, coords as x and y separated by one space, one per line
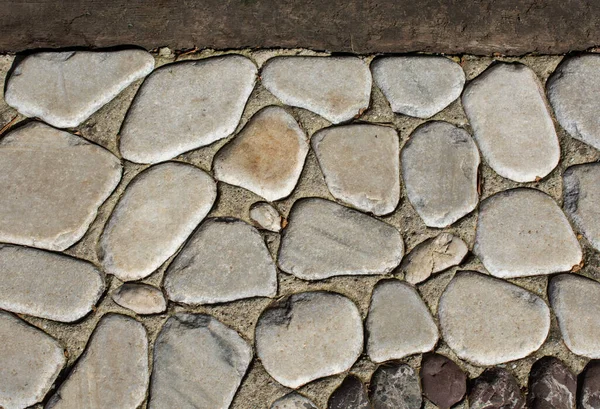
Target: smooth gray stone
589 381
160 208
419 86
53 183
65 88
142 299
324 239
224 260
508 111
551 385
522 232
47 285
30 362
351 394
488 321
337 88
439 167
293 401
265 216
186 105
198 363
496 388
361 165
581 192
395 386
308 336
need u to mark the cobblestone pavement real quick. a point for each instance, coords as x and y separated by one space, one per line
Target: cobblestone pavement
261 229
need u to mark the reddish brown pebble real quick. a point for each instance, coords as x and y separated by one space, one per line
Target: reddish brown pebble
443 382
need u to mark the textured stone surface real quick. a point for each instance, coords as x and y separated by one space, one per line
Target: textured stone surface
399 323
488 321
419 86
439 167
551 385
443 382
265 216
395 386
522 232
266 157
158 211
581 192
47 285
308 336
496 388
588 396
293 401
140 298
65 88
195 350
432 256
361 165
508 111
30 361
576 303
351 394
225 260
337 88
324 239
53 183
186 105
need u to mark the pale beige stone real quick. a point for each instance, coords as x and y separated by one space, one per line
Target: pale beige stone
140 298
581 192
265 216
293 401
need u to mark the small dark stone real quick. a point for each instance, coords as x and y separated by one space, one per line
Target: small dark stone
551 385
351 394
444 383
589 383
496 388
395 386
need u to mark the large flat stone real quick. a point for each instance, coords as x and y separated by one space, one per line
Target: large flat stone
551 385
395 386
581 192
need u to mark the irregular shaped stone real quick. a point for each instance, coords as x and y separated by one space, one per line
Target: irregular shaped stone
53 183
198 363
142 299
443 382
361 165
30 362
113 370
508 111
581 193
496 388
65 88
439 166
432 256
158 211
573 92
47 285
324 239
395 386
337 88
351 394
293 401
399 323
419 86
266 157
589 381
576 303
487 321
186 105
522 232
224 260
308 336
551 385
265 216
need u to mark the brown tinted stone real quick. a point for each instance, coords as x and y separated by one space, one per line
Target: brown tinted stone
351 394
551 385
589 386
443 382
496 388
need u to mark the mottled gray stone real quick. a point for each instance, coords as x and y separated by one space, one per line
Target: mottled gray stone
432 256
30 362
266 157
574 92
443 382
324 239
198 363
65 88
47 285
581 192
361 165
308 336
265 216
496 388
186 105
337 88
439 167
113 370
351 394
551 385
487 321
399 323
293 401
158 211
508 111
142 299
522 232
224 260
395 386
576 303
53 183
589 384
419 86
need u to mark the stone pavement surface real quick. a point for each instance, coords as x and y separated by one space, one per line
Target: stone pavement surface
286 229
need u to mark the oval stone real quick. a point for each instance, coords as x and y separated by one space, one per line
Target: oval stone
351 394
395 386
442 380
293 401
551 385
142 299
589 386
581 190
